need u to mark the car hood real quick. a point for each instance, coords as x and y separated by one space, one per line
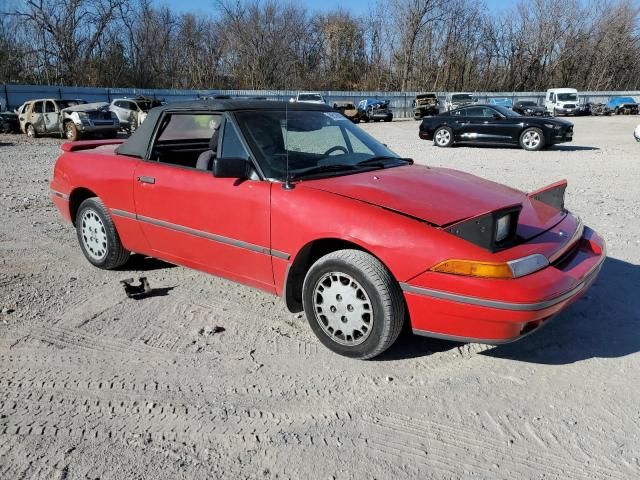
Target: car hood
87 107
438 196
557 121
8 115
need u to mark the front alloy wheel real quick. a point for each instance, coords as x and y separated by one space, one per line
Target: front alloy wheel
443 137
353 304
31 131
532 139
71 131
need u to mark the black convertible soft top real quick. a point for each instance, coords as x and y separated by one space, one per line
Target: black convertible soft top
138 143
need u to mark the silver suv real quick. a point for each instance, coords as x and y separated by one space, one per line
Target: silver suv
131 112
72 119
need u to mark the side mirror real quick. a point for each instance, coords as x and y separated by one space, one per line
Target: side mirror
230 167
497 116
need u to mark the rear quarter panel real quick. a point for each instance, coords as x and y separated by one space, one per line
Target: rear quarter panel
109 177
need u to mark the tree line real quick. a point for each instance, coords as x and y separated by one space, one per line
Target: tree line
427 45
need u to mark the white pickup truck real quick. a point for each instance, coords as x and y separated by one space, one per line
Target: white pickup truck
309 97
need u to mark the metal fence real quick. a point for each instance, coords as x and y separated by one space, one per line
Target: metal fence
12 96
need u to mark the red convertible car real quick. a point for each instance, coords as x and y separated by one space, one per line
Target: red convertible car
296 200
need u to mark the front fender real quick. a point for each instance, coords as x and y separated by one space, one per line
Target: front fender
405 245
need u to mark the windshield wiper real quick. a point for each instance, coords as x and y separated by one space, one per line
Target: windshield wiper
334 167
380 160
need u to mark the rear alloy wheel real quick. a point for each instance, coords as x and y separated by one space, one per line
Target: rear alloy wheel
98 237
71 131
31 131
443 137
353 304
532 139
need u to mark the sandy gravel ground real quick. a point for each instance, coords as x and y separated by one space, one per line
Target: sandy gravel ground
96 385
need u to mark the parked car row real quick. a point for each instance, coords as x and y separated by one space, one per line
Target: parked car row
75 119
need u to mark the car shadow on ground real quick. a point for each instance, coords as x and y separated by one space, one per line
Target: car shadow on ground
572 148
557 147
143 263
604 323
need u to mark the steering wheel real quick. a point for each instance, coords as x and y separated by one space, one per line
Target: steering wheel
336 149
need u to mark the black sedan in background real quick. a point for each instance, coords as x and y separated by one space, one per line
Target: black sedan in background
494 125
530 109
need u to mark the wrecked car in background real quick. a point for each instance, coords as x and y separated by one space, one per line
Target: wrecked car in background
529 108
636 133
131 112
425 104
457 100
9 122
599 109
72 119
623 105
348 109
374 110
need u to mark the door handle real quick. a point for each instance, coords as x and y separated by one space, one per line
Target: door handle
145 179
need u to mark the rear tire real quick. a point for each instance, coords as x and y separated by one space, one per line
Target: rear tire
353 304
532 139
98 237
443 137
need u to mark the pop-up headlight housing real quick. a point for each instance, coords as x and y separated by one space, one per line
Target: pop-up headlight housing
492 231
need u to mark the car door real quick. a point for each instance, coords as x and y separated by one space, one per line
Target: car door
36 117
471 125
51 117
220 225
494 127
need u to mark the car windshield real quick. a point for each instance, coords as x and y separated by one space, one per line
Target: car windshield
306 97
315 144
70 103
528 104
624 100
462 97
568 97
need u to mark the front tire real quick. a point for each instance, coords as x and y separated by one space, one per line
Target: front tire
31 131
98 237
71 132
353 304
532 139
443 137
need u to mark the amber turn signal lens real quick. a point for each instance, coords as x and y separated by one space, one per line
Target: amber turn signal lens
474 269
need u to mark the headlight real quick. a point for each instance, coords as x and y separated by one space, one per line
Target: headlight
553 125
502 227
527 110
84 118
505 270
